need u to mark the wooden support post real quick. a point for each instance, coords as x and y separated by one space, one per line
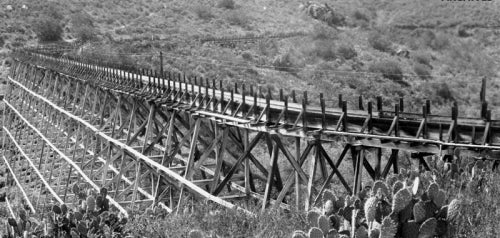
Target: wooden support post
358 172
297 178
304 115
360 103
247 164
323 115
378 164
270 176
379 104
344 118
401 104
312 174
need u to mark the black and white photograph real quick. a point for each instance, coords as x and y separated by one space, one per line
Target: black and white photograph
250 119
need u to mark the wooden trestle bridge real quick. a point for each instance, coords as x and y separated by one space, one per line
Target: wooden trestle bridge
152 139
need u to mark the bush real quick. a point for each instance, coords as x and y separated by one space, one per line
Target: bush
444 92
440 41
85 34
284 62
82 20
228 4
389 69
323 32
422 58
379 42
346 51
238 18
324 49
48 29
53 11
2 41
359 15
203 12
422 71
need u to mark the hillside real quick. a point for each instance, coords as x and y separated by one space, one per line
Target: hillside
454 43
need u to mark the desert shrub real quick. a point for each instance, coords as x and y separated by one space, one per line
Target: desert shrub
422 58
82 19
388 68
440 41
52 10
462 32
324 49
323 32
379 42
203 12
443 91
346 51
267 47
238 18
285 62
48 29
85 34
247 56
228 4
422 71
359 15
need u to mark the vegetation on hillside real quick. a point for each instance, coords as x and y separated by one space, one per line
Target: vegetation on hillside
459 44
453 46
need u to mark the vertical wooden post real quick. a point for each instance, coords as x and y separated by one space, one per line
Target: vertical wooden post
323 116
360 103
270 175
161 63
396 126
379 104
297 178
312 174
358 172
344 119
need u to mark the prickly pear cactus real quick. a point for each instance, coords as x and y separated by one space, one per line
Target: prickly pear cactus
195 234
315 232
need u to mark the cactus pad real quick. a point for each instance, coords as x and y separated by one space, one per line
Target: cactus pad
315 232
312 218
195 234
388 229
433 190
428 228
398 185
440 198
380 185
453 210
361 232
419 212
370 208
410 229
401 199
299 234
324 223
